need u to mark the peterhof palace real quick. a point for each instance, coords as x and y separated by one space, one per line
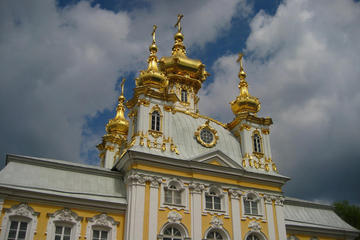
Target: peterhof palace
166 172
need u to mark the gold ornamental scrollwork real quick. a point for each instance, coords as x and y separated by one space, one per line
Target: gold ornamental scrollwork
206 126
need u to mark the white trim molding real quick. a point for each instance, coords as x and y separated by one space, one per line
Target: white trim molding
20 212
270 216
64 217
174 220
101 222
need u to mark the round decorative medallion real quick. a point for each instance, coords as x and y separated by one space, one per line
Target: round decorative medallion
206 135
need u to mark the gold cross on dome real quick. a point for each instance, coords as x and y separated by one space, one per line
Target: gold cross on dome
153 33
122 86
178 23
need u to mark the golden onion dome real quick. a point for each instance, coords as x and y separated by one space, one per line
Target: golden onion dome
244 102
119 125
180 67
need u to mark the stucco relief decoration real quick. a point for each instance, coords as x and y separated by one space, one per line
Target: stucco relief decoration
216 222
254 226
22 210
174 217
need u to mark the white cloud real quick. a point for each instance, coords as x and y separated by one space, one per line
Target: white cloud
303 63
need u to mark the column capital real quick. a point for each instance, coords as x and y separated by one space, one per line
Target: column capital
234 194
196 188
279 201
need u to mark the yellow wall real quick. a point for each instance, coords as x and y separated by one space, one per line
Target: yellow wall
44 209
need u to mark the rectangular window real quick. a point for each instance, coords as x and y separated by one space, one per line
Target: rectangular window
17 230
100 235
208 200
177 196
217 204
247 207
62 233
168 196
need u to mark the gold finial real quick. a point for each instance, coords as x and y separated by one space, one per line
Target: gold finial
242 73
153 33
178 23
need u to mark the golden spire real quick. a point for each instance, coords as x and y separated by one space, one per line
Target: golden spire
179 48
119 124
244 102
152 75
152 60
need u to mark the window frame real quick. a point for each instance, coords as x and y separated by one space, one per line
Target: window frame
184 193
224 199
21 213
260 205
184 95
257 142
156 132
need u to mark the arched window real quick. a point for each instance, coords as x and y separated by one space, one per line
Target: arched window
251 204
172 233
257 143
252 237
212 200
172 194
155 121
183 95
214 235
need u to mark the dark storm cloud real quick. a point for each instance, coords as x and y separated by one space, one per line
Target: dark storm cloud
303 64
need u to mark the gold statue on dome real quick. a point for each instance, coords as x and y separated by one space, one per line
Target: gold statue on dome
178 23
153 33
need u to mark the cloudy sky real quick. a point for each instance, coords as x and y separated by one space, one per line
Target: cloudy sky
61 61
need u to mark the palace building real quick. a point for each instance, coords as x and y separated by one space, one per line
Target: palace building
166 173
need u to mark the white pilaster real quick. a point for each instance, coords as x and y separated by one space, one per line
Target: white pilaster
270 217
196 190
136 205
153 205
235 212
279 208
